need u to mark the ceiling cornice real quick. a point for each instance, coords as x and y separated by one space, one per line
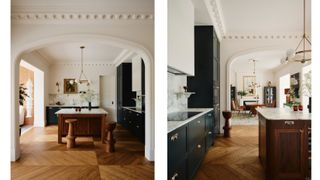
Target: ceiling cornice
34 17
263 36
215 12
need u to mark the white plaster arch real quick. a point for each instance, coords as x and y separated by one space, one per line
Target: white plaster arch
235 56
28 47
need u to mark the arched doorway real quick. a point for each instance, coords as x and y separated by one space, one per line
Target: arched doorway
27 47
249 53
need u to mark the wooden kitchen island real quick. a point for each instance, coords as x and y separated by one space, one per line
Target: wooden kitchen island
89 123
285 143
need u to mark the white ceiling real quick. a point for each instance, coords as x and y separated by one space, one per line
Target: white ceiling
267 60
71 52
257 16
201 14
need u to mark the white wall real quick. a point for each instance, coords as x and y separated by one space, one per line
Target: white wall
93 71
136 74
108 95
181 35
262 78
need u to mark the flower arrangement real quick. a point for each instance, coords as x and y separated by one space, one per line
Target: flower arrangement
306 88
88 95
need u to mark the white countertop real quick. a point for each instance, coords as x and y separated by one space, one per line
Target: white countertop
83 111
283 114
172 125
134 109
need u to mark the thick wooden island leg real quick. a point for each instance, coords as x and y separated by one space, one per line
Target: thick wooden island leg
103 125
60 129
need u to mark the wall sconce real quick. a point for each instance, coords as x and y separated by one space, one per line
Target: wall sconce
58 86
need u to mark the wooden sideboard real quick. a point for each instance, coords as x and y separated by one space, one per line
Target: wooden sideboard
284 148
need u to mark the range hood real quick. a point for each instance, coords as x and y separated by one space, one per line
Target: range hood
175 71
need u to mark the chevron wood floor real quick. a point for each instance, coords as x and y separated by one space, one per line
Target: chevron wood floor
43 158
233 158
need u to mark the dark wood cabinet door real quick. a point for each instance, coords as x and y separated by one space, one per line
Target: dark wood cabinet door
289 158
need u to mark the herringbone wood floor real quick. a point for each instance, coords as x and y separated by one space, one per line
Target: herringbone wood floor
233 158
43 158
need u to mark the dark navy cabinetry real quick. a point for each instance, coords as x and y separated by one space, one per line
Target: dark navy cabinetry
187 146
206 81
134 122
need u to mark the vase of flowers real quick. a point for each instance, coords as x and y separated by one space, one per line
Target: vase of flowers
88 96
306 87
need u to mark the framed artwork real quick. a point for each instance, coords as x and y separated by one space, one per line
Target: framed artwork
70 86
248 81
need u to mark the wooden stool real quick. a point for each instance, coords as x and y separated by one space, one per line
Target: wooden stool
110 141
70 137
227 128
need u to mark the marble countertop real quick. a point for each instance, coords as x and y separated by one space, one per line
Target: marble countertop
283 114
83 111
65 105
134 109
172 125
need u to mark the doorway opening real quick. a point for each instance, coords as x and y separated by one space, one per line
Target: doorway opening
31 106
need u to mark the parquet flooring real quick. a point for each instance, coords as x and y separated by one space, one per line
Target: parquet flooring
43 158
234 158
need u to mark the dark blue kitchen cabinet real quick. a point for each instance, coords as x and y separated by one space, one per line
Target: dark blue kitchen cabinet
187 146
52 118
209 130
124 89
206 81
177 153
134 122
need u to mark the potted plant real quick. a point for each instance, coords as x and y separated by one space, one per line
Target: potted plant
242 93
22 94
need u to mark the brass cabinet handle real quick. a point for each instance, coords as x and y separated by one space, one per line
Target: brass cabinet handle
174 137
174 176
289 122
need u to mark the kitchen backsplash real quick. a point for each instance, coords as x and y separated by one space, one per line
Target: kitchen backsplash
175 85
72 100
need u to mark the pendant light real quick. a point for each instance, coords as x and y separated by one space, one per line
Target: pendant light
82 78
300 55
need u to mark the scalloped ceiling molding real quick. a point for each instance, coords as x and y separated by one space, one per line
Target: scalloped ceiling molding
35 17
262 37
75 64
216 16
